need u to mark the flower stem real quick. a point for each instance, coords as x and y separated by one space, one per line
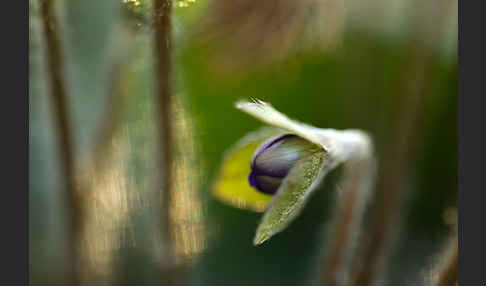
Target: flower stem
356 182
58 94
353 148
163 42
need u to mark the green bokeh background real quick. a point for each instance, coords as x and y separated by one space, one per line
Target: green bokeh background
359 85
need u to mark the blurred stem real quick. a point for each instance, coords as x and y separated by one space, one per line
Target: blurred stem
392 178
357 181
163 42
58 94
393 174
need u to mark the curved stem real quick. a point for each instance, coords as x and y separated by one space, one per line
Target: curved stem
356 182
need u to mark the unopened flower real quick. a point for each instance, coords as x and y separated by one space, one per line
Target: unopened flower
276 169
273 160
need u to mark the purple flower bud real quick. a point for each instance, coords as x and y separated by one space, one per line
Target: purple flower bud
274 159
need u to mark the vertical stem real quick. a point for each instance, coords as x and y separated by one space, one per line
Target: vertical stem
392 178
357 179
163 42
62 123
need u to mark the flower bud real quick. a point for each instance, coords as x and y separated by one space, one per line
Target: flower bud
274 159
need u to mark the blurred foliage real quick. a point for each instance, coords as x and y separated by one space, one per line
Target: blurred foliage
361 82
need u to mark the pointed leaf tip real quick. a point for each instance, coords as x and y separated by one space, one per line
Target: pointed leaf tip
260 238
